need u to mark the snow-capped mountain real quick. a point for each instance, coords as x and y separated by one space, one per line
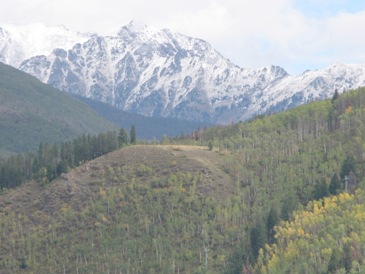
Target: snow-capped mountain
21 42
160 73
292 91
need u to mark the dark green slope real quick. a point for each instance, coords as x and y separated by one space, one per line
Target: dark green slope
32 112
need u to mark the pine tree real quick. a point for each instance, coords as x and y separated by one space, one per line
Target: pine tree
272 220
335 185
335 261
257 238
348 165
289 205
133 135
123 137
335 96
320 190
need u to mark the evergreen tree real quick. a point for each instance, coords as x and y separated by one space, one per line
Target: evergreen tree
335 185
347 166
258 238
335 96
123 137
320 190
335 261
289 205
133 135
235 262
272 220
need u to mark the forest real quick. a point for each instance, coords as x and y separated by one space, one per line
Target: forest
52 160
285 161
326 237
250 197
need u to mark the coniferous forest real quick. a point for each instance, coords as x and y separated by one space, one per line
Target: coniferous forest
278 194
52 160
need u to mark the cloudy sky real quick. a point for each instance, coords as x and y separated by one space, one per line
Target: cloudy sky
295 34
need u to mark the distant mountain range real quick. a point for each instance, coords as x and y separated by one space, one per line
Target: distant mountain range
32 112
160 73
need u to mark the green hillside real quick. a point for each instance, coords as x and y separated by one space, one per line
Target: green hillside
284 161
32 112
328 237
204 203
142 209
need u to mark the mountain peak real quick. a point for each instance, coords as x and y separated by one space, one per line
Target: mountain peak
277 71
140 31
161 73
136 25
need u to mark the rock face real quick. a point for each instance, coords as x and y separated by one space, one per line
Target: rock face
160 73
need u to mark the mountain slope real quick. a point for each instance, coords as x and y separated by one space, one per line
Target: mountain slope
151 72
32 112
188 209
284 161
160 73
151 214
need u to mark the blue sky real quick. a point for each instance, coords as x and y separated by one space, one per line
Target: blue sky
326 8
294 34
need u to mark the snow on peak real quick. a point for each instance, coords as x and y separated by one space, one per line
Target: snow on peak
141 33
158 72
38 39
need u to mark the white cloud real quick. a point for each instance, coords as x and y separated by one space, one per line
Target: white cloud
252 33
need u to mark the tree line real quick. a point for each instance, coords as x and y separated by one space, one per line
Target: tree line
51 160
